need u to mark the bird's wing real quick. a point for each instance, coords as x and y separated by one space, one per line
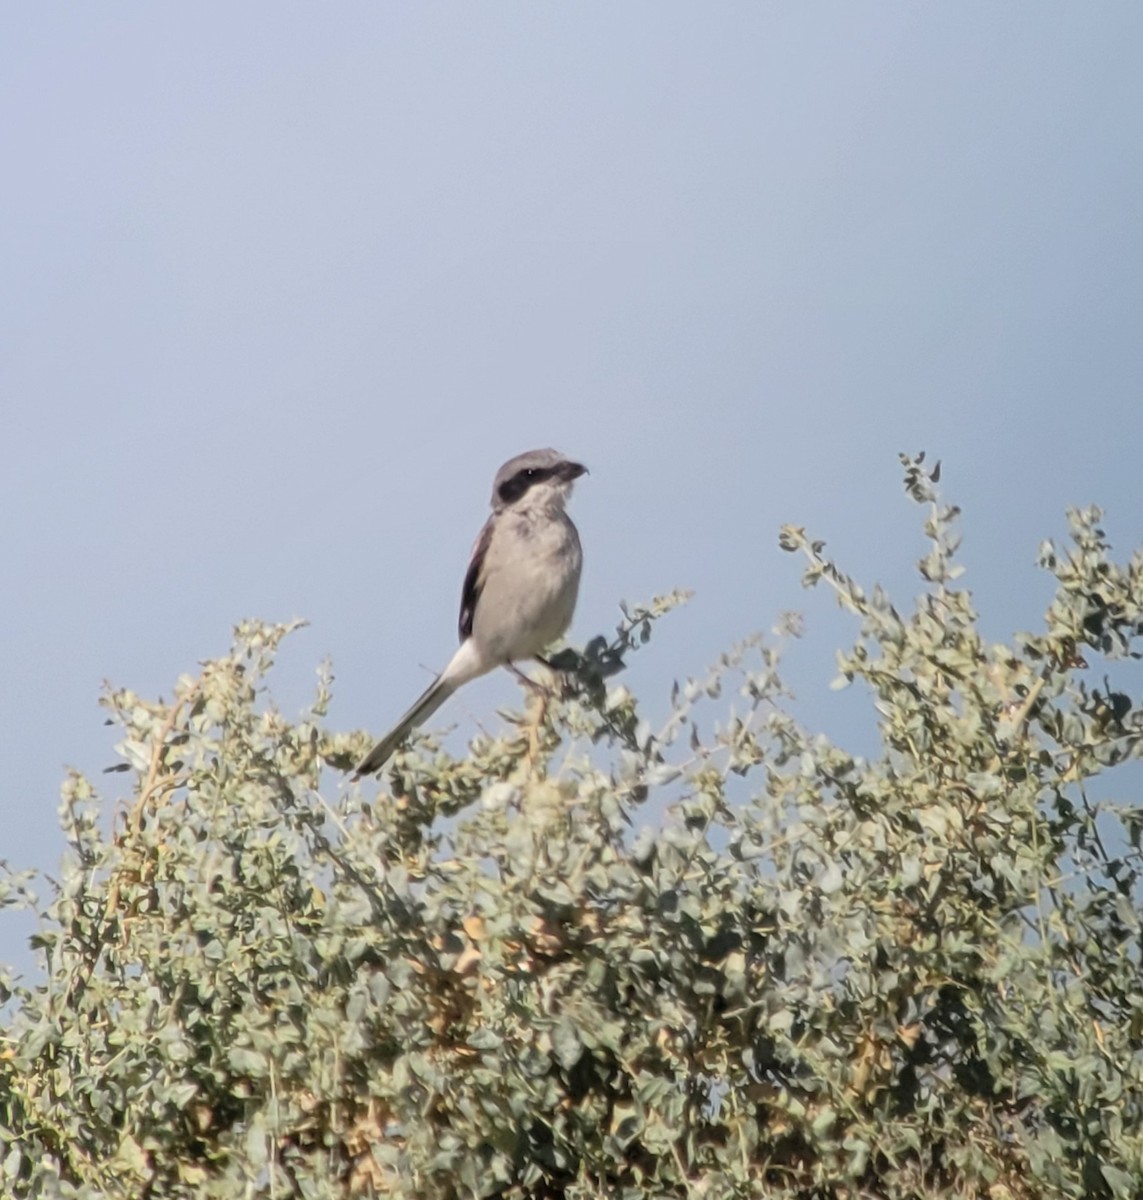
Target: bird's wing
474 579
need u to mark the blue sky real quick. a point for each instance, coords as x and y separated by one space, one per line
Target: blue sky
284 284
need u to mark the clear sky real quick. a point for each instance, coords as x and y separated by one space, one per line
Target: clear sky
281 285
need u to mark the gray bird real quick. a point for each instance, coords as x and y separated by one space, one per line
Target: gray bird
520 589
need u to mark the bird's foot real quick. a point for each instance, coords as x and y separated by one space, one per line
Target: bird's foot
534 687
563 672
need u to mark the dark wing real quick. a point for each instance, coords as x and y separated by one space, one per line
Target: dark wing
473 580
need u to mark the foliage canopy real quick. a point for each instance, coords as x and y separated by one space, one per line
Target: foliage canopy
916 974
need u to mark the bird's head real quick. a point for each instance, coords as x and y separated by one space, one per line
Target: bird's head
537 477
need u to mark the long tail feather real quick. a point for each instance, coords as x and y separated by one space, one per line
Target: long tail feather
430 700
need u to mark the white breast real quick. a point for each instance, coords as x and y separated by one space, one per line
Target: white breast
531 581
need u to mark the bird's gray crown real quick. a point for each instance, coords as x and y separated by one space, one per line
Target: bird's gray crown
518 475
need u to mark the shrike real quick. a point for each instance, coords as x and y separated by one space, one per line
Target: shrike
520 589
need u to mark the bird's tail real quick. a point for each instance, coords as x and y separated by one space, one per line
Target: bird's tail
429 701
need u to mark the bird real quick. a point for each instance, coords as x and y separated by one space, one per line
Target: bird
520 588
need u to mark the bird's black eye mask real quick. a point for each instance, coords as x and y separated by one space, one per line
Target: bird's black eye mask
512 489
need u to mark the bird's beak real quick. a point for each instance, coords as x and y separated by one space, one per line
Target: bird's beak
572 470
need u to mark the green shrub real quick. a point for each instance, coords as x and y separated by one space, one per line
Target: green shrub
822 976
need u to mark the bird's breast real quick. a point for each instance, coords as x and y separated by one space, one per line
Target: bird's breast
531 582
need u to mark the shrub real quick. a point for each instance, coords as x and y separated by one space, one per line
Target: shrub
916 974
